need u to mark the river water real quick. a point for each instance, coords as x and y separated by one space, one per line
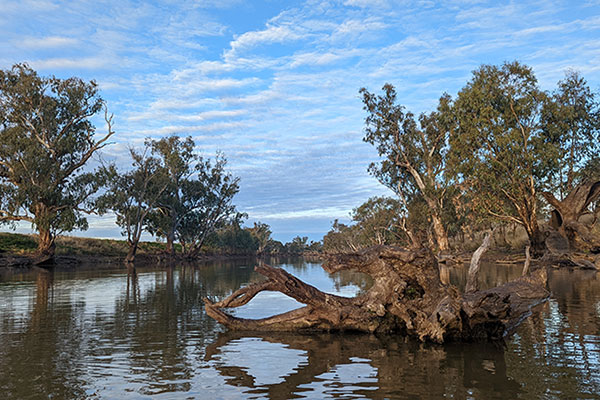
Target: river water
114 333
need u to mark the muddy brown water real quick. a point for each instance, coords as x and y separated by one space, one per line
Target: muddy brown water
114 333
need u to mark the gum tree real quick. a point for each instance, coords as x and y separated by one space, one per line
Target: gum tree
498 148
207 203
413 152
572 124
132 195
46 139
179 161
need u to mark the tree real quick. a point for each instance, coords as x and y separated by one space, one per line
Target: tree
297 245
179 160
207 203
262 233
46 139
233 239
133 195
198 200
498 149
378 220
413 154
571 121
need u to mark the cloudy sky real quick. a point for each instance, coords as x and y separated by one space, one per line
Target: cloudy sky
274 84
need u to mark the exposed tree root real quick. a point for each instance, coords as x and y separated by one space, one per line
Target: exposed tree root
407 297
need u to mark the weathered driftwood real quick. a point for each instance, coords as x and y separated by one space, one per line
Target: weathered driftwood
567 212
407 297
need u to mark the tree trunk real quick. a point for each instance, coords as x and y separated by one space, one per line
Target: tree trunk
46 246
131 252
441 237
566 214
537 241
407 297
170 249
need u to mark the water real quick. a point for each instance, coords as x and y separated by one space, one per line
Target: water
122 334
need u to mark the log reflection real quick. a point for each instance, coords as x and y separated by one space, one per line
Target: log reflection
404 369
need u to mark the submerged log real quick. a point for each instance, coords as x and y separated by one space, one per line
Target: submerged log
407 297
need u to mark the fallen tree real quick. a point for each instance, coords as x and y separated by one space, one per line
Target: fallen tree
407 297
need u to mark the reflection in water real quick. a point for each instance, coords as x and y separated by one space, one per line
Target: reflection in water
351 366
130 333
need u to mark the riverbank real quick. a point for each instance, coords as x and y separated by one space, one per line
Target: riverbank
19 251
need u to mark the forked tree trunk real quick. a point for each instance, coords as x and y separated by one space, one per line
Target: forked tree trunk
407 297
131 252
566 214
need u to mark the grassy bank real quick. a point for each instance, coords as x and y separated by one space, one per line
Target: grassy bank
19 244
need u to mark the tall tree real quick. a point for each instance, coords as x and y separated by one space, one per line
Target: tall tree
133 195
46 139
498 148
571 122
413 152
208 203
179 160
571 118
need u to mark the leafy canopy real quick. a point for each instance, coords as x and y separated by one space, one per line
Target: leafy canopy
46 139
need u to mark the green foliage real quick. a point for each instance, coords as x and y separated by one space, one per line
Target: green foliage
132 195
198 199
46 138
378 221
571 123
413 152
297 246
234 239
262 233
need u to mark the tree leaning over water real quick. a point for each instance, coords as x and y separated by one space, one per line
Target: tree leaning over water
46 139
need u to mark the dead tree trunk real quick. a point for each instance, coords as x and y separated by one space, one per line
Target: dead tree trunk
566 214
407 297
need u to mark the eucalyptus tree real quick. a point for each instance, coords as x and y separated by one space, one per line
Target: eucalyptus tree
413 152
179 160
499 150
207 203
571 120
46 140
262 233
132 195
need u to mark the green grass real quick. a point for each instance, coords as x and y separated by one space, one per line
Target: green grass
17 243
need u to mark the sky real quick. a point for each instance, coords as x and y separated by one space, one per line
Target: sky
274 84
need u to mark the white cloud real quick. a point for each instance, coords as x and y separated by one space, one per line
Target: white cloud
270 35
48 42
72 63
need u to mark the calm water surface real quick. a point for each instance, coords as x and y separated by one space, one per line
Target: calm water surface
133 334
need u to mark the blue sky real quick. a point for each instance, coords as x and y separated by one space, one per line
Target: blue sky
274 84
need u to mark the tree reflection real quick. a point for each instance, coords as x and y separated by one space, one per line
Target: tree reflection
42 358
400 369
